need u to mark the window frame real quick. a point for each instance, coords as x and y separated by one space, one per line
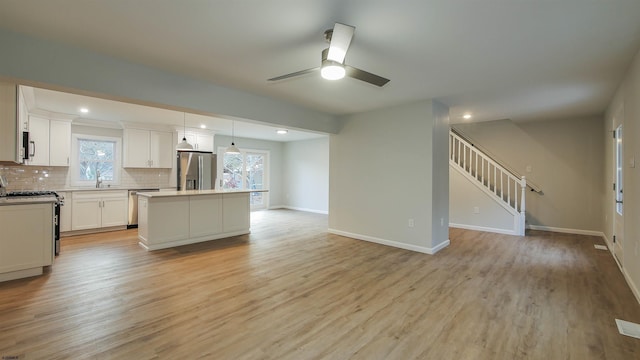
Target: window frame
74 163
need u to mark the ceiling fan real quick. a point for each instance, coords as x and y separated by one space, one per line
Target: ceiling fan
333 66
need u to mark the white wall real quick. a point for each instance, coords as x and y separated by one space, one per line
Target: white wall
465 196
275 159
627 96
566 159
386 167
306 175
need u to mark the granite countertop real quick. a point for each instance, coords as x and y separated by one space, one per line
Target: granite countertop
111 188
19 200
169 193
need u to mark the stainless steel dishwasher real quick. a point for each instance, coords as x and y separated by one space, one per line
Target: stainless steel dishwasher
133 206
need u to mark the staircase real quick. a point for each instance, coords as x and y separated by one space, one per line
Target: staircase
506 188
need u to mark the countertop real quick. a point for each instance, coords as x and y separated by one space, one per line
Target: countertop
169 193
113 188
18 200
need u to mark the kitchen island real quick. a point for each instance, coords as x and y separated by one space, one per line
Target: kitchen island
173 218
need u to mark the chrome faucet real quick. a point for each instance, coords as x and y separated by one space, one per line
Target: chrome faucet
98 181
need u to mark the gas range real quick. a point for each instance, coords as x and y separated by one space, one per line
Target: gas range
31 193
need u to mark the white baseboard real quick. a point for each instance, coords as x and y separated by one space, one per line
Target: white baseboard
632 286
627 278
325 212
565 230
483 228
392 243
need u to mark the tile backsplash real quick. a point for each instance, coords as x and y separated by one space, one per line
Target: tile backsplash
21 177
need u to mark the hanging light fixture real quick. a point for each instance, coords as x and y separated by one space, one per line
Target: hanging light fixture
184 145
233 149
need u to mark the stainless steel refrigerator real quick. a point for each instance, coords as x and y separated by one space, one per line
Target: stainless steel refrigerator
196 170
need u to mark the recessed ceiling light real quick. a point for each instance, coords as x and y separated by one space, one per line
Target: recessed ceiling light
84 110
282 132
467 116
203 126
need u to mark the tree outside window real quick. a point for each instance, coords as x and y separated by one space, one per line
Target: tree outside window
96 155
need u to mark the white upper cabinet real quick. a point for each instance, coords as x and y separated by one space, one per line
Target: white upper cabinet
59 143
201 140
9 132
38 146
148 149
49 141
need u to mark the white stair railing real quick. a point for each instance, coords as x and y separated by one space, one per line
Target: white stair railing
495 179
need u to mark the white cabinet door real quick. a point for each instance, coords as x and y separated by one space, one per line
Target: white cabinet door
201 141
204 142
205 215
235 212
38 141
86 214
161 149
136 148
114 211
65 212
60 143
27 236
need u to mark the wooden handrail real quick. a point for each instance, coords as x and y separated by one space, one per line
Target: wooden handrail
531 185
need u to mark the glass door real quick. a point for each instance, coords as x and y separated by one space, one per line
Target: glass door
247 171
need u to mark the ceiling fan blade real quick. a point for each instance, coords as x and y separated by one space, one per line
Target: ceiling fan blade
365 76
340 41
297 73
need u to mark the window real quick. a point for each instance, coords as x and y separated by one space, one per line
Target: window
248 171
93 155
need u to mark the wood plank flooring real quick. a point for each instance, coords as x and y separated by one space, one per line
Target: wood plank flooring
290 290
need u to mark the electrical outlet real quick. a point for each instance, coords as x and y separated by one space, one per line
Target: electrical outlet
476 210
441 221
528 168
411 223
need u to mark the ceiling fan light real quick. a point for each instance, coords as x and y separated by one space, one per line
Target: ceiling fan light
332 71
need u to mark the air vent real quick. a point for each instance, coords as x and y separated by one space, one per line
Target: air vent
600 247
628 328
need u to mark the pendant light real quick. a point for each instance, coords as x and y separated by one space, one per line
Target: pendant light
233 149
184 145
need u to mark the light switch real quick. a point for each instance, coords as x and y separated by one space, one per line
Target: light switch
632 162
528 168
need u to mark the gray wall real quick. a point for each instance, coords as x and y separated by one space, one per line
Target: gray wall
383 173
306 175
627 96
566 159
53 65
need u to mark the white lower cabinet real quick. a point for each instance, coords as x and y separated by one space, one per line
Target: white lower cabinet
26 244
174 220
236 212
98 209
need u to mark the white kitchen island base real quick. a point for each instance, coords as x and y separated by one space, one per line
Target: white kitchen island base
174 218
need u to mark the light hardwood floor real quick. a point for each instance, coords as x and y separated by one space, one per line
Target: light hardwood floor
290 290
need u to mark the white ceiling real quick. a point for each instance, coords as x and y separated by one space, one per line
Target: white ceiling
517 59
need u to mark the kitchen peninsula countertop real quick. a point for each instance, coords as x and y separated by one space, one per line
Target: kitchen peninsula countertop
169 193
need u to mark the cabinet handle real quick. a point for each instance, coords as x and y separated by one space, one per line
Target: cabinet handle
67 160
34 148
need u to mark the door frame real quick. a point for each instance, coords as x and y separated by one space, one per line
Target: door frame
618 208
